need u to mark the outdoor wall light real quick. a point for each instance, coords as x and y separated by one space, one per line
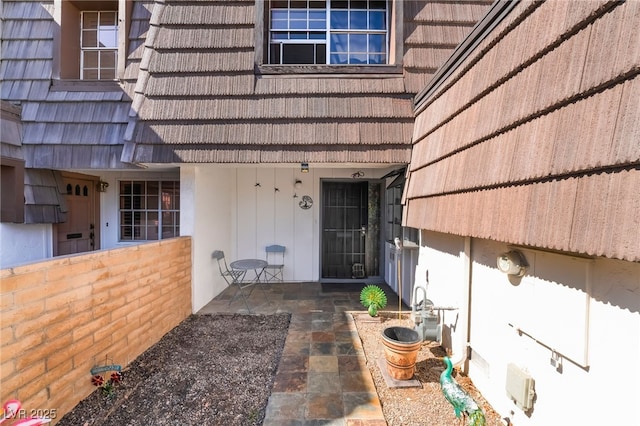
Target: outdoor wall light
512 263
304 167
297 184
102 186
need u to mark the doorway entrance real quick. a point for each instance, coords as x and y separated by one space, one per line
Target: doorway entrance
79 233
350 230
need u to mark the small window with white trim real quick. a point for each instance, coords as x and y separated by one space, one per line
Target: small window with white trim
90 43
98 45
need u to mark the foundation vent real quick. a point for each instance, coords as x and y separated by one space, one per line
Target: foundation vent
520 387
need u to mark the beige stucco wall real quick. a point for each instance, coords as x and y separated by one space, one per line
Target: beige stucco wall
584 311
61 317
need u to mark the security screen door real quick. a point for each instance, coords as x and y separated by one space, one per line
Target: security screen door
350 229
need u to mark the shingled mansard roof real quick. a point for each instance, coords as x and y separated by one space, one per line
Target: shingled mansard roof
200 99
64 128
43 192
192 92
534 137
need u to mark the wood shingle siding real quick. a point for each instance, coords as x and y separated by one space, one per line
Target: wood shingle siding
343 84
192 84
432 30
542 117
139 27
219 103
64 126
43 197
307 108
209 13
256 154
11 132
205 38
202 62
280 133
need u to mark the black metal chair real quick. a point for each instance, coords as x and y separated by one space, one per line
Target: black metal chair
232 277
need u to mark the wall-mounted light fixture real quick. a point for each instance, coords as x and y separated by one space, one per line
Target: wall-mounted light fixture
297 184
102 186
512 263
304 167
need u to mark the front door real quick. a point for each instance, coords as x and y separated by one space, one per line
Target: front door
350 230
78 233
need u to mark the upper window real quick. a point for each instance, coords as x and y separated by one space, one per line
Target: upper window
99 45
328 32
149 210
91 40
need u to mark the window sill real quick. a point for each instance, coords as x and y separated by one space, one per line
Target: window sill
69 85
328 70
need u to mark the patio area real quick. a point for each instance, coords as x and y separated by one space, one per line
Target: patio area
322 378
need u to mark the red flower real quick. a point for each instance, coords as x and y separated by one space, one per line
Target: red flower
116 377
97 380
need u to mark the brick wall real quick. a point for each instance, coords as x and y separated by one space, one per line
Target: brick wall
61 317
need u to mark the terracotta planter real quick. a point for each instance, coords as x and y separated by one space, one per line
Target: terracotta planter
401 346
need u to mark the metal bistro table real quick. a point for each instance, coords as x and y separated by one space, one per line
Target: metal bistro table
246 265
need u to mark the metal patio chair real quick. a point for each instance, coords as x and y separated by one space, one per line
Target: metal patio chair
275 260
232 277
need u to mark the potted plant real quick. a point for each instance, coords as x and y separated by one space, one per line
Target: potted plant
373 298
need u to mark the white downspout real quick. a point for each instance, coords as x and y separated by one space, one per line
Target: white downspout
459 356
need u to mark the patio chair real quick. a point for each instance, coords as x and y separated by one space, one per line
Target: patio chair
234 278
275 260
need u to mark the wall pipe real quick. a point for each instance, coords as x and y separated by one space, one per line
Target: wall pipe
460 356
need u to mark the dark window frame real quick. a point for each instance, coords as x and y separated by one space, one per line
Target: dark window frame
395 48
139 206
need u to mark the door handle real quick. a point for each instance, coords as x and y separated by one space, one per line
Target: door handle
363 230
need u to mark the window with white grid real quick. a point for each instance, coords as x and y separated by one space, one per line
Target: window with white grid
149 210
98 45
346 32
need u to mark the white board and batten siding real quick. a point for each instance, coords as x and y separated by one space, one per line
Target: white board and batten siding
268 216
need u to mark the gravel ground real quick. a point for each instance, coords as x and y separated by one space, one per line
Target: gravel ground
189 377
209 367
414 406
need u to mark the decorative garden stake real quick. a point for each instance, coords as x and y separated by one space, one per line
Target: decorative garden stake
463 404
373 298
108 386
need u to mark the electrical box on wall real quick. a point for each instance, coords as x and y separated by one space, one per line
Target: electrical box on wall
520 387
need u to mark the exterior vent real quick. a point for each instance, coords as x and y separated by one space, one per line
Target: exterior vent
520 387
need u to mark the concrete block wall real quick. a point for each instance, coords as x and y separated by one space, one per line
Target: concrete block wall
61 317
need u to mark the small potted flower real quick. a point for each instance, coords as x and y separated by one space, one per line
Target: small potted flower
373 298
